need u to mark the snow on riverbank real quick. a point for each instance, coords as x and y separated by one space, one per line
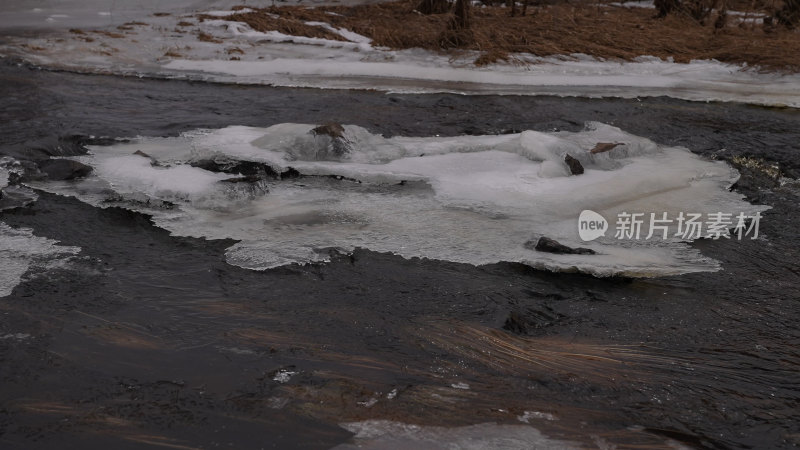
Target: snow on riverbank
182 46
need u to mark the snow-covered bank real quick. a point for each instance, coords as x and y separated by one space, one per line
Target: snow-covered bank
577 76
468 199
226 51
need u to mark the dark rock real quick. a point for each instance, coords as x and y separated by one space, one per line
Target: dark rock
603 147
64 169
575 166
245 168
333 130
545 244
105 141
153 161
244 179
338 145
291 172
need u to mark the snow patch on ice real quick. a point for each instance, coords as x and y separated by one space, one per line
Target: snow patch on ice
227 13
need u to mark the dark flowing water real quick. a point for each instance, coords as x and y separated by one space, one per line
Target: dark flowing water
153 340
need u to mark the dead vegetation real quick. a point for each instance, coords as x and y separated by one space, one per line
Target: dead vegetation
597 29
110 34
285 23
205 37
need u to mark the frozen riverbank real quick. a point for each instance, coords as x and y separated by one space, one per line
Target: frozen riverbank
182 46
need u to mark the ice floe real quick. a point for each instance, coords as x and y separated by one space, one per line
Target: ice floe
21 251
468 199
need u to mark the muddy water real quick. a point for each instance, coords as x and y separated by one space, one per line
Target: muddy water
148 339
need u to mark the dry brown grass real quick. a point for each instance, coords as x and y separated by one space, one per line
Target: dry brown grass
263 20
110 34
205 37
589 28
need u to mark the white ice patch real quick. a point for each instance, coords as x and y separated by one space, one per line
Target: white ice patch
641 4
385 434
283 376
416 71
15 336
21 251
467 199
227 13
228 29
343 32
136 175
538 415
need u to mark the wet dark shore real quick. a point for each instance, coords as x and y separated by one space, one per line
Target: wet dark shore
152 340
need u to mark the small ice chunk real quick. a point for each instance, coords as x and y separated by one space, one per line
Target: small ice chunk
283 375
528 415
16 336
21 250
368 403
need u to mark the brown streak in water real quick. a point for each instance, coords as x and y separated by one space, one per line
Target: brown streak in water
156 440
123 338
523 355
45 407
229 308
267 338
